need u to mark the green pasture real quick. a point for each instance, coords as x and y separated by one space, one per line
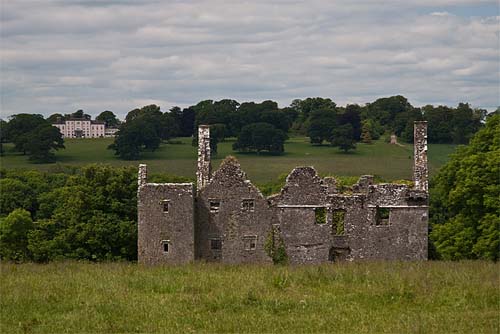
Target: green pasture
389 162
363 297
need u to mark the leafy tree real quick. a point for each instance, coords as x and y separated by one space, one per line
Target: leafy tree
133 137
366 136
33 135
41 142
15 194
14 235
464 205
3 135
109 118
321 124
18 129
54 118
260 137
80 114
352 116
311 104
342 136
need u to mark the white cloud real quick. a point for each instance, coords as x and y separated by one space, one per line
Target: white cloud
59 56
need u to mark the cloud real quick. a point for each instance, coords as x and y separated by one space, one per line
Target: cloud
59 56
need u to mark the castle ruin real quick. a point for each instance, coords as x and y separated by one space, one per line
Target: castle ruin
227 219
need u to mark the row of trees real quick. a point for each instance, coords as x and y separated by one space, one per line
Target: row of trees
319 118
90 213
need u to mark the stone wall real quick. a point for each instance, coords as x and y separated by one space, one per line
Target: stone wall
166 223
233 219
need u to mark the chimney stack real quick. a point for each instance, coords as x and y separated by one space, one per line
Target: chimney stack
420 168
204 166
142 176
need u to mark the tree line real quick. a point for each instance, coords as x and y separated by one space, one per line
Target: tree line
257 127
265 127
91 212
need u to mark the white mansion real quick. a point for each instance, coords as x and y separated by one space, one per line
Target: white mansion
84 128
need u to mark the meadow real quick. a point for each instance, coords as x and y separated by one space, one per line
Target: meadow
363 297
388 162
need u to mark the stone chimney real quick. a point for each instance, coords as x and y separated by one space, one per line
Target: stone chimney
204 166
420 169
142 176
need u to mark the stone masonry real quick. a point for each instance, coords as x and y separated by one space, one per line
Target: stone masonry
227 219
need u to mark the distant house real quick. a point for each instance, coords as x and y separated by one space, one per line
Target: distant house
81 128
110 132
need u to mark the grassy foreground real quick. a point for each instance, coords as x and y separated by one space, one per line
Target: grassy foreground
390 162
370 297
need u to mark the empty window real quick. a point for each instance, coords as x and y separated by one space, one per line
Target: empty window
382 216
214 205
165 205
165 246
338 218
248 205
320 215
250 242
215 244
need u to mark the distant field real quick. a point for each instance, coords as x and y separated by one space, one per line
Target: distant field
390 162
369 297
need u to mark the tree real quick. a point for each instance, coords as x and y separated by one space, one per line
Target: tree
109 118
41 142
366 136
352 116
14 235
464 206
342 136
55 118
321 124
18 129
3 135
15 194
35 136
80 114
133 137
260 137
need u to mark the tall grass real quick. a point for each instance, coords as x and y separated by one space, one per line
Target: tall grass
365 297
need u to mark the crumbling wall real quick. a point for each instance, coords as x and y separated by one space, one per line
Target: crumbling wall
304 216
232 215
165 222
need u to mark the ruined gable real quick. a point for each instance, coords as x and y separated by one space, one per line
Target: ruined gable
233 217
303 187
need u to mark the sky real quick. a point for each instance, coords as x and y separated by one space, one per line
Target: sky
60 56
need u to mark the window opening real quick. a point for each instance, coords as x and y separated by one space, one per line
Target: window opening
382 216
214 205
338 222
165 246
250 242
166 205
248 205
215 244
320 214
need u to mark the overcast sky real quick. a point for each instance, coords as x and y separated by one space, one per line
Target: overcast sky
60 56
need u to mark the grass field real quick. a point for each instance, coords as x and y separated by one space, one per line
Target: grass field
390 162
366 297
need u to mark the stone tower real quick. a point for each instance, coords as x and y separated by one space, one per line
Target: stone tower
420 170
204 166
